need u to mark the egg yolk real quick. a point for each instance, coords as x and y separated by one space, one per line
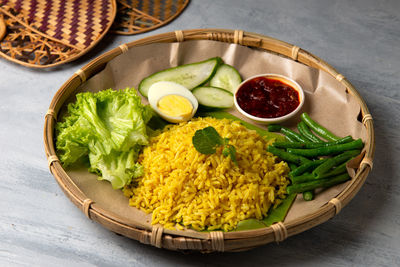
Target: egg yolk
175 106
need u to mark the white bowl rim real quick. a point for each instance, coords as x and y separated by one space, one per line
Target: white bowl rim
298 88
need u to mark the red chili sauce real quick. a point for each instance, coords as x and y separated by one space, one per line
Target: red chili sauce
267 98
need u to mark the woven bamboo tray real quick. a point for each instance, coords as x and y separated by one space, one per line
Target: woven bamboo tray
42 33
134 16
213 241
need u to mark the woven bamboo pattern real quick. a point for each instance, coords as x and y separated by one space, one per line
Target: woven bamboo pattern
25 45
201 241
42 33
136 16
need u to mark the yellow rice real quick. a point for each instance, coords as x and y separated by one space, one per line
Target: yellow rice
183 188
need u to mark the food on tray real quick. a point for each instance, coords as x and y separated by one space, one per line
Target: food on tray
223 80
327 150
185 188
213 171
172 101
267 97
189 75
213 97
221 114
226 77
107 128
319 129
305 150
307 133
207 140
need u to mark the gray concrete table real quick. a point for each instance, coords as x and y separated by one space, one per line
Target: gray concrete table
39 225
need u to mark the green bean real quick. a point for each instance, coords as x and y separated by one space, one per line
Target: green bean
334 161
317 128
284 144
327 150
292 166
295 144
292 134
308 195
298 160
320 183
289 139
337 170
343 140
306 167
306 132
307 177
274 127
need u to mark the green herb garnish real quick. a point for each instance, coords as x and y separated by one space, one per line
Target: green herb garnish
207 140
229 150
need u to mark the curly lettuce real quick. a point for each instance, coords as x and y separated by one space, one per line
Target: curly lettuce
109 129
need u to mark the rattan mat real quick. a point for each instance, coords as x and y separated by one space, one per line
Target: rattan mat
44 33
135 16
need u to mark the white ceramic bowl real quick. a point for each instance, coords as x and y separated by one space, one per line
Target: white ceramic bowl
283 79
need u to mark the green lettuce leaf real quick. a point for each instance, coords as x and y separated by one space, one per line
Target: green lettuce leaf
117 167
108 128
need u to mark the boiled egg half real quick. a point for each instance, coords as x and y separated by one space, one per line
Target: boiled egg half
172 101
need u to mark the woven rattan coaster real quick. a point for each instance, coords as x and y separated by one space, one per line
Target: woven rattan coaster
46 33
135 16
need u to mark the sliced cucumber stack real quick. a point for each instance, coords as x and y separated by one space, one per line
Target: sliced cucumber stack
189 75
213 97
226 77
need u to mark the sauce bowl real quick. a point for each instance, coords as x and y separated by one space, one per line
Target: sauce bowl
244 98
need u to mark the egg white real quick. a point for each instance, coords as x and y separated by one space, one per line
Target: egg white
164 88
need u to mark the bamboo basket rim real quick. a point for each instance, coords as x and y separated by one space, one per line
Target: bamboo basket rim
72 58
214 241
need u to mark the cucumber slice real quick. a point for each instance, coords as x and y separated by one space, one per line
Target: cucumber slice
189 75
213 97
226 77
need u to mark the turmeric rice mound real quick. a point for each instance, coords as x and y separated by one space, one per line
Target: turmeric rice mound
184 188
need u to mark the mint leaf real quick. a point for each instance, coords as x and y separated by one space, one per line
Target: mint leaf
213 136
230 151
225 151
207 140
